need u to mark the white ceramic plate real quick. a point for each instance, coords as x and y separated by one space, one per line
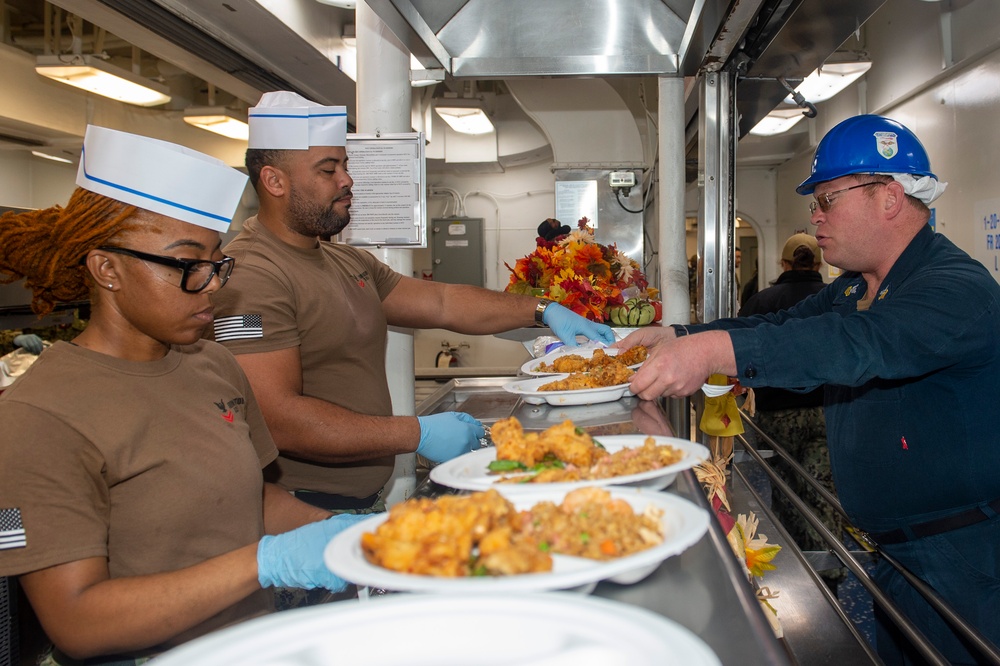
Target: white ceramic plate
531 367
683 525
528 390
554 629
471 471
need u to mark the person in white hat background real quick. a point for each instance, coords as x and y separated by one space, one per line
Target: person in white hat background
132 502
904 342
308 319
795 419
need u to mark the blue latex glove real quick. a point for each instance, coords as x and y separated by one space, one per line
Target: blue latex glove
567 324
448 435
29 342
295 559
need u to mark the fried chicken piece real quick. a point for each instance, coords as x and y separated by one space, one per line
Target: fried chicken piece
512 444
612 374
570 363
572 446
634 355
436 537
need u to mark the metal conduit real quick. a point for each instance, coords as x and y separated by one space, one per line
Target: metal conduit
979 642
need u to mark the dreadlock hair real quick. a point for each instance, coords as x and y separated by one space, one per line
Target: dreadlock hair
47 247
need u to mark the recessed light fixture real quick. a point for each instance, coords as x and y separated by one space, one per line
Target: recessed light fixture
54 158
465 116
95 75
829 80
776 122
218 119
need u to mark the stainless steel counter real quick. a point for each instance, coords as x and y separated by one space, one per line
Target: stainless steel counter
704 588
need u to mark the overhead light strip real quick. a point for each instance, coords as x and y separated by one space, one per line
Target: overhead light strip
465 119
95 75
220 120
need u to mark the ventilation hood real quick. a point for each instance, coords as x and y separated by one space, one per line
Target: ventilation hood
764 39
251 46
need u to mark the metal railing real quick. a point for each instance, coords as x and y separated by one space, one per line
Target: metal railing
978 642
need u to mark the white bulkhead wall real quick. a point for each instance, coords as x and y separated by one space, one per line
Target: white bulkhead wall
936 69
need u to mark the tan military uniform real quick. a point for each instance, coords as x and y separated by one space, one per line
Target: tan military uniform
327 301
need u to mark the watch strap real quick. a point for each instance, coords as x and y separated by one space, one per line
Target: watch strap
540 310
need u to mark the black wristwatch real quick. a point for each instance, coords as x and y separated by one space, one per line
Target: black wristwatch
540 310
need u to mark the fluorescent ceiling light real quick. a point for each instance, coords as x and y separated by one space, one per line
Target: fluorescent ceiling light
776 122
54 158
97 76
829 80
464 119
220 120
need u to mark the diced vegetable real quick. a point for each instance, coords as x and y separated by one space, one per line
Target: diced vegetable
506 466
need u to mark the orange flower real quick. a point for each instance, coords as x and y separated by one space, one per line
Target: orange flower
579 273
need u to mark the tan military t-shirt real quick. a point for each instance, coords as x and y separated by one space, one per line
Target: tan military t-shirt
153 465
327 301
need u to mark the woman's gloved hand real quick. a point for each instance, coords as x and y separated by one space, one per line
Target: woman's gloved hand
29 342
567 324
295 559
448 435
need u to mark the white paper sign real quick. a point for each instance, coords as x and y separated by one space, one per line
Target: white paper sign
390 205
987 238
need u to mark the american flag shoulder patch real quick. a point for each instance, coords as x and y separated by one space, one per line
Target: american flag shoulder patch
239 327
12 530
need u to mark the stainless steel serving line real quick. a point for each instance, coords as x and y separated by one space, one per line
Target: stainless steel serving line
704 589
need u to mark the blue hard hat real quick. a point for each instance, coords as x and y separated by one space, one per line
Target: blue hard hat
866 144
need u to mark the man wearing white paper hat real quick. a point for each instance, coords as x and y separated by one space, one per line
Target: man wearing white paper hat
132 501
905 343
308 319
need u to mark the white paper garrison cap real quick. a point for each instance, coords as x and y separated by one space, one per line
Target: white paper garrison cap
287 121
161 177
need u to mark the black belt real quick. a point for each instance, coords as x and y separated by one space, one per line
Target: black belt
336 502
937 526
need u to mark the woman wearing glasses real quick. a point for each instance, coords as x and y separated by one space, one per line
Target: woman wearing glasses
132 504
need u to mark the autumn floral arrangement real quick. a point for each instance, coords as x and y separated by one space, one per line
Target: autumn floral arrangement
596 281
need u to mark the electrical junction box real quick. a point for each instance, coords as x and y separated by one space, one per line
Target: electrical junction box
457 250
621 179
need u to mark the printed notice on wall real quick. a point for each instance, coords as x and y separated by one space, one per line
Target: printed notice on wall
987 238
576 199
389 206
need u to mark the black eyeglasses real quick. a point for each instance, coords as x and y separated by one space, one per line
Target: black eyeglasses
195 273
824 201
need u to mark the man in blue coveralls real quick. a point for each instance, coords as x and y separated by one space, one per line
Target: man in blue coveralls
905 344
